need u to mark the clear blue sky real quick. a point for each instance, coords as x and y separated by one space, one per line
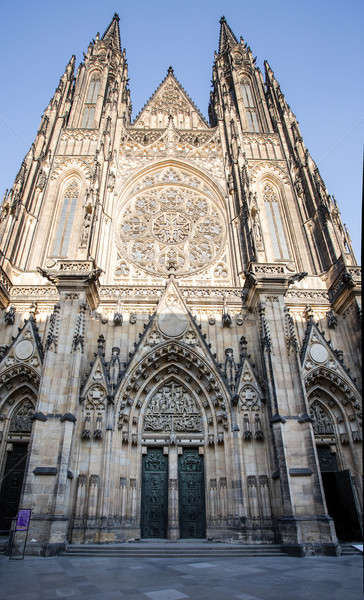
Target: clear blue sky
314 47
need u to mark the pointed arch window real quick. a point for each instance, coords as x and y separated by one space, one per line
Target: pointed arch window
249 103
278 238
88 116
66 218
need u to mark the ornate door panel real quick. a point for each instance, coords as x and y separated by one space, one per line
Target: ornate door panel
12 484
191 494
154 514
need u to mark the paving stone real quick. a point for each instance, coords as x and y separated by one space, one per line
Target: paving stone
165 595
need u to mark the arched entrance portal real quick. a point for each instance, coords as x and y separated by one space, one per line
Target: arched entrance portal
15 454
173 419
173 483
336 430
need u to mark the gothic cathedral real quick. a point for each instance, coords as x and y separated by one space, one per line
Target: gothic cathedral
180 319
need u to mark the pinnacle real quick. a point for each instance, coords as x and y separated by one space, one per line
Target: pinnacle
112 32
227 38
170 71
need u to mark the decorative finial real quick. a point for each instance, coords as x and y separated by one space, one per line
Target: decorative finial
116 17
222 20
170 71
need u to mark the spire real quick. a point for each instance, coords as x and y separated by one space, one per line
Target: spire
227 38
112 32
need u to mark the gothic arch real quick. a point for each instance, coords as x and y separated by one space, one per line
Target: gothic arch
159 165
329 391
15 378
266 169
158 365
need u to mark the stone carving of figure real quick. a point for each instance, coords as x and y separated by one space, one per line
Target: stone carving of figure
115 366
9 316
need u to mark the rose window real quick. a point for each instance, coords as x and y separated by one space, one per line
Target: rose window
170 225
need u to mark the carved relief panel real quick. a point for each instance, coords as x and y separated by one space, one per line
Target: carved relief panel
172 409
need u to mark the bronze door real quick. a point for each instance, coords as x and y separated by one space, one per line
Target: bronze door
191 485
154 513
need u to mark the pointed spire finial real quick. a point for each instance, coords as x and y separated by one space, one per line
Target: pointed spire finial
170 71
112 32
227 37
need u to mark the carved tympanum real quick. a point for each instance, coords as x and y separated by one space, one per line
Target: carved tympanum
172 408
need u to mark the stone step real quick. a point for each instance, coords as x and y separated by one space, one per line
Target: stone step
173 551
349 550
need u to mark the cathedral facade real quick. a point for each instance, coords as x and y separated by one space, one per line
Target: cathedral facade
180 319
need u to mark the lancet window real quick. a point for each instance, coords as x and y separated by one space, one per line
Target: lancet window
277 234
88 116
66 218
249 103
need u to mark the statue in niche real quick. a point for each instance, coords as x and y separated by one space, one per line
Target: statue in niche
115 367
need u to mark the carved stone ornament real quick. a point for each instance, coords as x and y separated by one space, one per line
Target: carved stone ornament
170 225
21 421
172 409
249 399
321 420
319 353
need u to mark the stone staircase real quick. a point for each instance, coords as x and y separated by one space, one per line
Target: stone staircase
182 549
347 549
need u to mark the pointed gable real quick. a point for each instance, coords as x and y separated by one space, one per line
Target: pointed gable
317 353
97 383
170 100
26 348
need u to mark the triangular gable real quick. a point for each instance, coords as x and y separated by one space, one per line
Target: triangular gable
97 378
26 348
317 352
172 321
170 99
246 376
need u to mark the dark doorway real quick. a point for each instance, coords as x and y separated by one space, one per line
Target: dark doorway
340 496
192 519
12 484
154 513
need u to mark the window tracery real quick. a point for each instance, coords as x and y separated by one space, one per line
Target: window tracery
171 224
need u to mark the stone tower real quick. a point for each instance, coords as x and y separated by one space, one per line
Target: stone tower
180 318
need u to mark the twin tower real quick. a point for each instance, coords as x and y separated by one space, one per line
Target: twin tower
180 346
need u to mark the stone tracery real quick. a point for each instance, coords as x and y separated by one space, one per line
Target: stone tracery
165 223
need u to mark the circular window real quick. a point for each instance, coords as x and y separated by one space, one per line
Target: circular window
171 225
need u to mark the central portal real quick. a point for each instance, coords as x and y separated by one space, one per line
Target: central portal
192 519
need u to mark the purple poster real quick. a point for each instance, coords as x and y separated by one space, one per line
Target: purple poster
22 520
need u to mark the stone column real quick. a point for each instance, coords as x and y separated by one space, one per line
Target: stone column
173 517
